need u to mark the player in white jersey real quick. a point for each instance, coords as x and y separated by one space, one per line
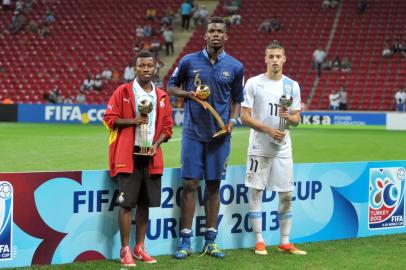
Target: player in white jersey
270 164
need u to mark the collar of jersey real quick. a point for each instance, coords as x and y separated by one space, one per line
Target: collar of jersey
219 57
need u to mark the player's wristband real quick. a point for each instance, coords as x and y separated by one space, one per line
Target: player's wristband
233 120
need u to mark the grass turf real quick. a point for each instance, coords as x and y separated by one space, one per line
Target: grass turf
45 147
56 147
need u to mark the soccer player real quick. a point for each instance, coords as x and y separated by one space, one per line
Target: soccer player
269 164
138 177
202 156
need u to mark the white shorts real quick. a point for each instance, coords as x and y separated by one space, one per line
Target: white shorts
274 173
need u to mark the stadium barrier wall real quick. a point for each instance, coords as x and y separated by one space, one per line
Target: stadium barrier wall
93 114
8 113
63 217
396 121
345 118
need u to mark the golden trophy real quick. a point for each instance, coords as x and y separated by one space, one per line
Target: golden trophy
144 107
202 93
283 123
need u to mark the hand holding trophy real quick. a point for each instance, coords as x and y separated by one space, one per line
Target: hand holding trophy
285 103
200 96
144 107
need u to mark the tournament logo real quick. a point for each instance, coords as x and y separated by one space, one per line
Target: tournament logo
6 220
386 198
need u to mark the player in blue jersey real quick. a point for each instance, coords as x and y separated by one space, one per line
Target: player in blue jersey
205 157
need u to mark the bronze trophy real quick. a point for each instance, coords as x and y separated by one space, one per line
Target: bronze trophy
144 107
201 95
283 123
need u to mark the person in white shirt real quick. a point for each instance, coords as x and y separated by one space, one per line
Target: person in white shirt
318 58
400 98
343 99
334 99
129 73
270 164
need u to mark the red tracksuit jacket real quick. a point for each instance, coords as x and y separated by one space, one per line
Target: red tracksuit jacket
121 141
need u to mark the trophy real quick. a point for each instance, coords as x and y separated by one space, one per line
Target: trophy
144 107
202 94
283 123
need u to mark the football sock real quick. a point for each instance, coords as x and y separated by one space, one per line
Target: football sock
255 213
285 216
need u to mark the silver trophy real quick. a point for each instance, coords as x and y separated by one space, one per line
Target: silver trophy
144 107
283 123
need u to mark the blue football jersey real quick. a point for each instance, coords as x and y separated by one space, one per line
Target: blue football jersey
225 79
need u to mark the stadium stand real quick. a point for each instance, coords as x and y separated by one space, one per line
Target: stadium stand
86 38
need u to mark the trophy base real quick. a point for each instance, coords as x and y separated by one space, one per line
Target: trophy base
220 133
278 142
142 151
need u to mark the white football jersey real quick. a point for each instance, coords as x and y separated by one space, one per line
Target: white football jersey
262 96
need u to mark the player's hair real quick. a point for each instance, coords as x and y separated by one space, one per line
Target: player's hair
275 45
216 19
144 54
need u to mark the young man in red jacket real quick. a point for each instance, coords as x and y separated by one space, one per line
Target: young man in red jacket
138 176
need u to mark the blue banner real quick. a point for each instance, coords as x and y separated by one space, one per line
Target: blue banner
63 217
343 118
61 113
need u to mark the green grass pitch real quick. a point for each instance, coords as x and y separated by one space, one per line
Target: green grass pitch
56 147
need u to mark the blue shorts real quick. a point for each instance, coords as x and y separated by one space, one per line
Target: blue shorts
204 160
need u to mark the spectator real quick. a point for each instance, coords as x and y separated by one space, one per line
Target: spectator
67 100
318 58
265 26
80 97
151 14
203 16
386 51
362 6
139 32
44 30
336 64
397 47
275 24
19 6
129 73
115 76
185 11
345 65
53 96
343 99
400 98
231 6
49 17
168 38
18 22
107 74
33 27
329 4
6 5
7 100
236 19
155 46
88 83
98 83
147 30
196 15
334 99
28 6
167 20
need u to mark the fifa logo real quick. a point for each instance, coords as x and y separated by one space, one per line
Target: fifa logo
386 198
6 220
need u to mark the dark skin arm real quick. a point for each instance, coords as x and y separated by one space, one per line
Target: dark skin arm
154 147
